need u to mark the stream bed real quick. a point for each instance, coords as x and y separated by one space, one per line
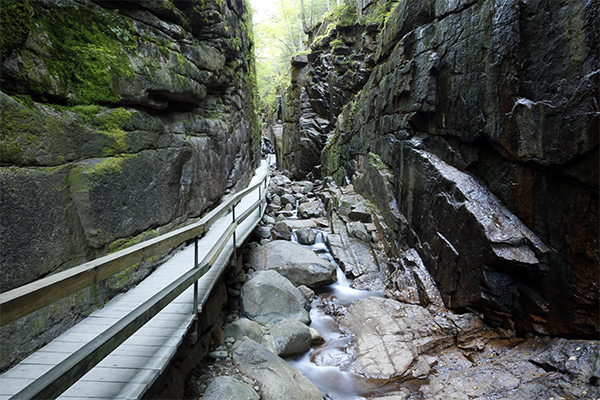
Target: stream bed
328 366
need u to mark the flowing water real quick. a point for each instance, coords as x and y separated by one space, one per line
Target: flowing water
328 365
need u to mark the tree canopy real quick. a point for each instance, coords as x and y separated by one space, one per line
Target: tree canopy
280 28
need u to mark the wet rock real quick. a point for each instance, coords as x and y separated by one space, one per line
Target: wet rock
315 337
391 335
243 327
311 209
295 262
354 256
288 199
359 212
358 230
291 337
412 283
300 223
402 394
306 236
307 292
532 368
281 231
269 298
226 387
278 380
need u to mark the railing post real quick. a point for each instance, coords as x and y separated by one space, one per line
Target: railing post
234 242
195 310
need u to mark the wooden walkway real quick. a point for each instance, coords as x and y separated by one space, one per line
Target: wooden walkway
130 370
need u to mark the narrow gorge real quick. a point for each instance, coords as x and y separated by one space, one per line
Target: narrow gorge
432 226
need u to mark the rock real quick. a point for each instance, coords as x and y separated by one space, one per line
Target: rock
243 327
228 388
218 355
130 142
358 230
307 292
306 236
311 209
278 380
402 394
354 256
269 298
301 223
263 232
391 335
281 231
438 155
359 212
288 199
420 369
412 283
291 337
315 337
276 201
268 220
297 263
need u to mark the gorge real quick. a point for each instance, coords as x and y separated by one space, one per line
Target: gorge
448 148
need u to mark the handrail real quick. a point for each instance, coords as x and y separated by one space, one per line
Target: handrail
18 302
63 375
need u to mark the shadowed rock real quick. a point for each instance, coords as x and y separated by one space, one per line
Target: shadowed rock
278 379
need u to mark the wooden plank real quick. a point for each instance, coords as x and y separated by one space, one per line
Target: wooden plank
10 386
120 375
101 390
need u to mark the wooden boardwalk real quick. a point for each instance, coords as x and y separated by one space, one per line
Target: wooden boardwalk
130 370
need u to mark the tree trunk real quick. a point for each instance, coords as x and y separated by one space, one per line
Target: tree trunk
305 28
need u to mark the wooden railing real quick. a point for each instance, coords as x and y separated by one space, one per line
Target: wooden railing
28 298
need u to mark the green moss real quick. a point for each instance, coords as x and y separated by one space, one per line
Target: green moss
15 24
16 133
85 53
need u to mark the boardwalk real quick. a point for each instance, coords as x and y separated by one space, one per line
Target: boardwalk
129 371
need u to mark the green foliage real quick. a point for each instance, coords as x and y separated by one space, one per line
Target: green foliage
15 23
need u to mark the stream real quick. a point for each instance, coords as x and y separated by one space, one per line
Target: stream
328 365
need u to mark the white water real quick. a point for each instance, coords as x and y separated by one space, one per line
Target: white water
327 365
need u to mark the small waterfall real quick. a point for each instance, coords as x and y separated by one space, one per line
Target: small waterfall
326 365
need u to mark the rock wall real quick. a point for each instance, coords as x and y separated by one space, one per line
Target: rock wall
121 120
477 136
323 81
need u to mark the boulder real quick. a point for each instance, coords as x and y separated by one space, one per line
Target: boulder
228 388
291 337
297 263
243 327
278 379
288 199
281 231
269 298
311 209
306 236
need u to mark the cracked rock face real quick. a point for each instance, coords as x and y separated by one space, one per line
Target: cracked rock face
481 119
